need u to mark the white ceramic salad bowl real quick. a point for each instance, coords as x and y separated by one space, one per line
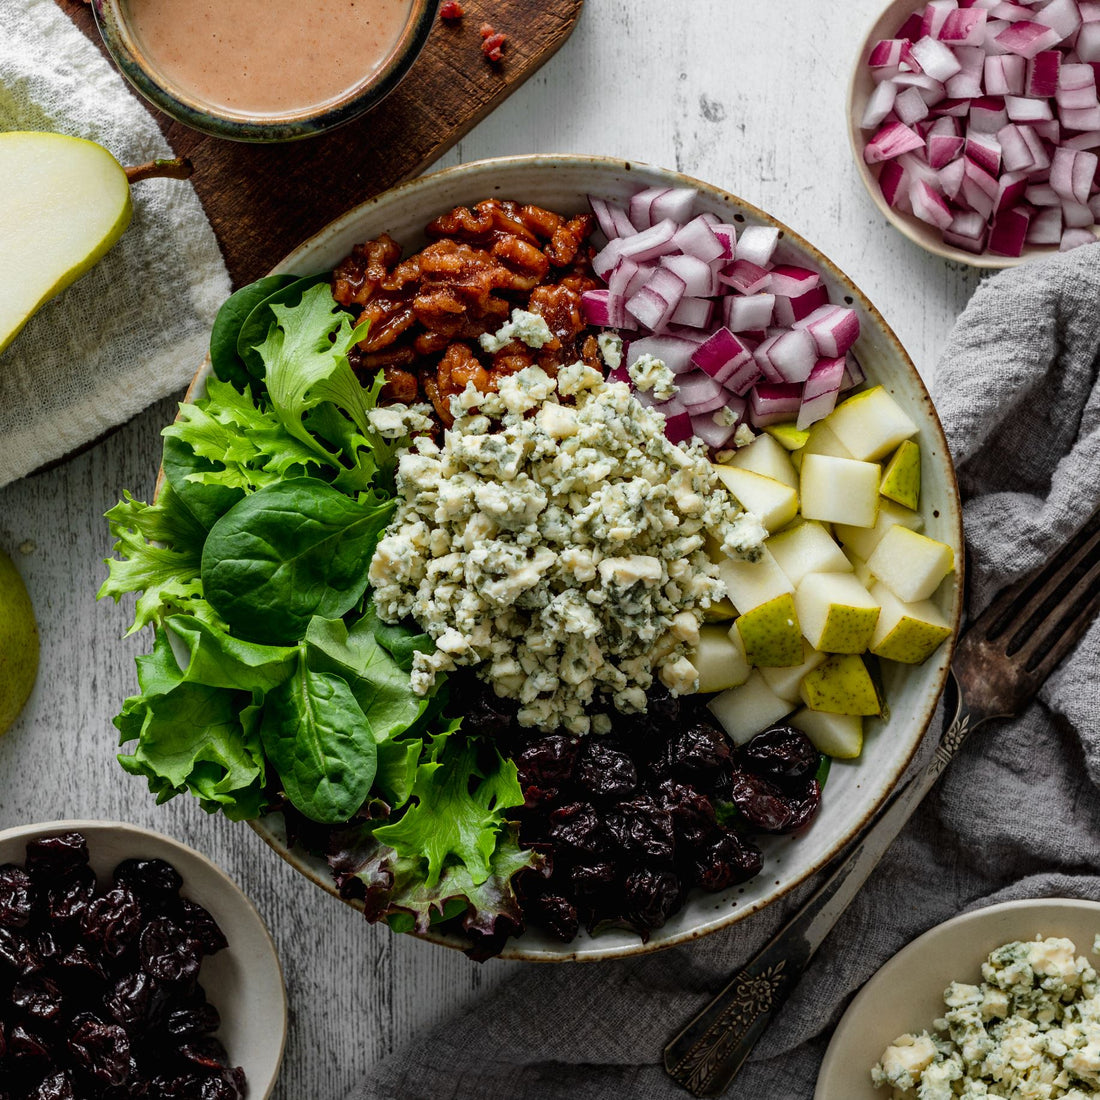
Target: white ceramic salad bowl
244 982
854 790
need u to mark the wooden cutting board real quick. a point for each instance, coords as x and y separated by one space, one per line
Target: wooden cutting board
263 200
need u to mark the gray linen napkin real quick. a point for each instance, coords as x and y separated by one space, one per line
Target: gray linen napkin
1017 815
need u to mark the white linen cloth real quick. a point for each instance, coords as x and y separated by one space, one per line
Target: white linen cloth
135 327
1016 815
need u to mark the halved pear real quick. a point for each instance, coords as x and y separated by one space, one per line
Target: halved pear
807 548
839 490
18 643
766 457
746 710
774 502
838 615
861 541
911 565
841 684
719 658
771 634
64 202
870 424
839 735
901 475
907 632
751 583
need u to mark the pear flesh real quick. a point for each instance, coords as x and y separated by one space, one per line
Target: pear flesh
18 644
64 202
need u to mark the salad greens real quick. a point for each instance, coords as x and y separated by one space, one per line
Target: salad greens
272 683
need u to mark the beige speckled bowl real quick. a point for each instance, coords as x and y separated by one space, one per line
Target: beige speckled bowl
906 994
244 982
854 790
859 89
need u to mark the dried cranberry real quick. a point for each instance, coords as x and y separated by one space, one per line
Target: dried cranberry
111 923
605 770
484 712
168 953
768 809
25 1046
56 857
642 830
135 1001
38 997
556 914
699 753
80 963
15 950
692 812
102 1050
577 829
17 896
592 882
149 879
782 754
201 926
68 901
206 1052
58 1086
650 897
547 761
723 859
192 1020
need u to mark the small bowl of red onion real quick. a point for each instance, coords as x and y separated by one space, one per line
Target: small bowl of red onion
975 125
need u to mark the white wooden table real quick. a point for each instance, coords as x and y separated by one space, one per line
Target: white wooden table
748 95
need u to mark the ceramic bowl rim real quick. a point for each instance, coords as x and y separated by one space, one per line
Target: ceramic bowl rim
121 44
90 826
513 950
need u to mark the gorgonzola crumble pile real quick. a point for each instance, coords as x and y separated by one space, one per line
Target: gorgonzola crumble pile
555 539
1029 1031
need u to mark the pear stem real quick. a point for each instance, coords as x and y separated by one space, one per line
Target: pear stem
178 168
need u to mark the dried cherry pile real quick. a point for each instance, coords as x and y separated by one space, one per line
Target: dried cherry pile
634 820
99 993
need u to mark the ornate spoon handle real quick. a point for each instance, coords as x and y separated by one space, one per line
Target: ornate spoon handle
707 1054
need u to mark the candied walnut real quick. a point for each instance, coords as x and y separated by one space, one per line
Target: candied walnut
525 264
401 386
541 222
451 11
359 275
402 277
590 353
388 320
457 369
399 356
568 239
560 307
484 224
511 359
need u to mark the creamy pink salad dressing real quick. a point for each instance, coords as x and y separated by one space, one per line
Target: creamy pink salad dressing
267 56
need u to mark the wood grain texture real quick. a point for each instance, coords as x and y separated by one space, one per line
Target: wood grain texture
747 95
263 200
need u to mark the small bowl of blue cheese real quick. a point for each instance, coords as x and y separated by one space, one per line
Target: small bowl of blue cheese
1004 1001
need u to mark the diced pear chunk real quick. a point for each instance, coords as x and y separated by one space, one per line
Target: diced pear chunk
719 658
841 684
751 583
786 682
859 570
839 735
766 457
840 490
911 565
807 548
907 632
901 476
837 613
862 541
788 435
870 424
746 710
771 633
774 502
823 441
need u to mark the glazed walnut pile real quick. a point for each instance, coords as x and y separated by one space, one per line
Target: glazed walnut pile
427 312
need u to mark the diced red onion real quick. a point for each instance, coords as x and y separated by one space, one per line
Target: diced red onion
620 374
676 204
965 27
853 374
674 351
613 219
1076 215
699 238
967 231
892 139
943 149
1042 194
757 243
789 356
984 150
772 403
717 351
1045 227
1010 190
628 278
789 310
1008 232
987 114
1074 238
699 279
1028 39
744 314
935 15
1088 42
693 313
641 207
820 392
656 302
935 59
1083 118
713 434
1089 139
1042 74
1023 109
598 310
792 281
894 182
887 53
1004 76
727 235
909 106
1061 15
647 244
746 276
834 329
678 428
699 393
951 178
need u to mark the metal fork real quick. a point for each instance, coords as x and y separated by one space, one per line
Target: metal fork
1000 663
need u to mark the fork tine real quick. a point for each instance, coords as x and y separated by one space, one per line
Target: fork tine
1022 607
1066 633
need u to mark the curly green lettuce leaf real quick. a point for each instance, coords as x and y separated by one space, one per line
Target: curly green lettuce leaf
306 371
160 548
400 641
459 811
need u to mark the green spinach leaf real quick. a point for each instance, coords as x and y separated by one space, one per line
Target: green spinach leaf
293 550
227 364
183 469
319 741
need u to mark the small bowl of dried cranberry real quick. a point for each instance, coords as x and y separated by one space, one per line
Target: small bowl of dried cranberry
131 966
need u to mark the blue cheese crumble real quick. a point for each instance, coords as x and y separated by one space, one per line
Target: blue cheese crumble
650 375
558 547
529 328
1029 1031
